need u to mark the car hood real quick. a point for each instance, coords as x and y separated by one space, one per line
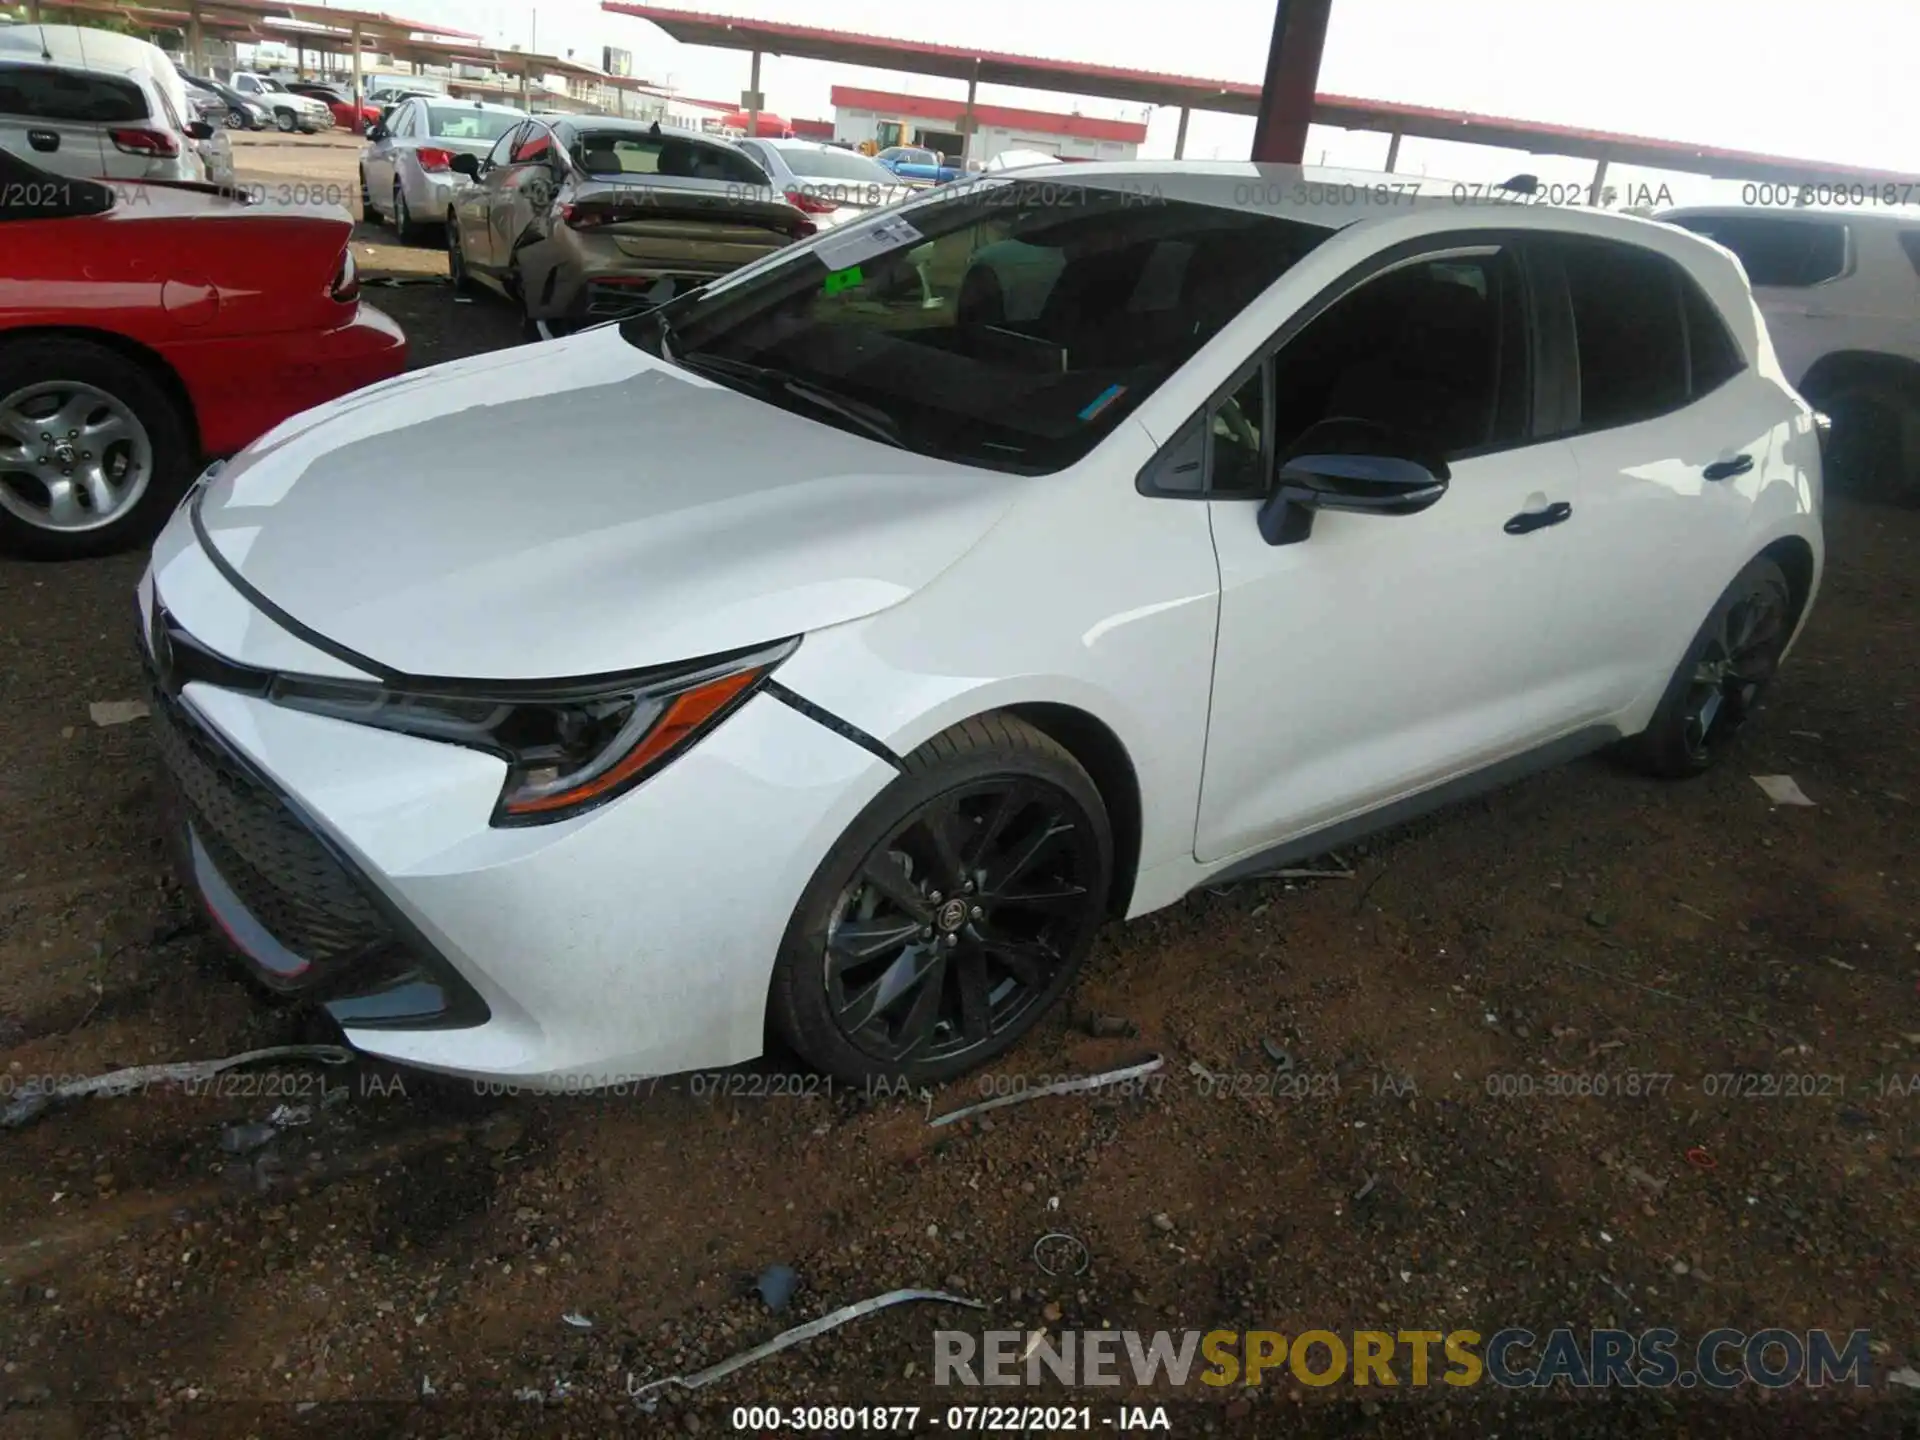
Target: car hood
578 507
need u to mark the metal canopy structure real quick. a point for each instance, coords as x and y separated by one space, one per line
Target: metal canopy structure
1187 93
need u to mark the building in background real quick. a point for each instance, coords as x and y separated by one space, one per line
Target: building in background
934 122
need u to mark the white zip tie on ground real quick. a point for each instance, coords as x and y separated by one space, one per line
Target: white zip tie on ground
1059 1087
32 1104
794 1336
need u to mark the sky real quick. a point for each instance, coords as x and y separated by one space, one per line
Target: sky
1833 82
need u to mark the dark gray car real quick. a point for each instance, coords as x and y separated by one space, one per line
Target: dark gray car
587 218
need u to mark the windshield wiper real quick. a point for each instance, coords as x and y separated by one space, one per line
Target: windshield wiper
768 379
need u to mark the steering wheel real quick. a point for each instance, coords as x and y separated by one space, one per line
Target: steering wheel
1238 425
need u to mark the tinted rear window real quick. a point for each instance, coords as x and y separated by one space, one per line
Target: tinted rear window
838 165
1787 253
43 93
619 153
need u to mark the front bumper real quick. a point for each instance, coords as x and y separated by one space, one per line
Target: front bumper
633 941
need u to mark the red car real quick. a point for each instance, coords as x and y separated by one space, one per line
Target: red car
148 327
341 106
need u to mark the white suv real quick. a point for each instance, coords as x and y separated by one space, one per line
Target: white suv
800 658
1841 294
96 104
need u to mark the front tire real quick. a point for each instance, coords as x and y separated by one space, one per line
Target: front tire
1721 678
952 914
367 210
457 258
284 122
93 450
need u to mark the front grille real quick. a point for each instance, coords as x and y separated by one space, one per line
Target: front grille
279 869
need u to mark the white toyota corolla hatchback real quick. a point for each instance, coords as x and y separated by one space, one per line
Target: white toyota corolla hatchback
826 655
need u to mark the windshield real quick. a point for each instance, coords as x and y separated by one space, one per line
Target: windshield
1010 325
446 122
621 152
274 85
836 165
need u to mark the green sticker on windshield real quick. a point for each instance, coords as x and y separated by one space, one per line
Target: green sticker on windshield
840 280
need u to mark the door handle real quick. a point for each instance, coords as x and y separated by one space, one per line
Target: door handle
1528 520
1727 469
44 141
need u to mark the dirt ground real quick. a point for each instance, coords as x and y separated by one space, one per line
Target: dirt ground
402 1262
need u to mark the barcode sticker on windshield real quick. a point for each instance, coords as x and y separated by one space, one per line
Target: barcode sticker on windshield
846 252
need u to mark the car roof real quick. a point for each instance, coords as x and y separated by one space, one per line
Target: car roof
1903 217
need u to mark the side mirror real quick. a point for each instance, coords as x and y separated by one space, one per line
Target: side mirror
1376 484
199 130
376 131
465 164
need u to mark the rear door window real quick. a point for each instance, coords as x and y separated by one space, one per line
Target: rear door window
1775 251
46 93
1630 332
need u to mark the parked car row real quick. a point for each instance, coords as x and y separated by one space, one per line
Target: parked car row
150 324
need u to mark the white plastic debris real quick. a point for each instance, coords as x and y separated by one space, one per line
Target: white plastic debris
787 1338
30 1105
1782 789
117 712
1059 1087
1906 1376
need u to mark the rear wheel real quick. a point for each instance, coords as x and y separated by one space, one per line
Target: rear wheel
1874 452
235 119
952 914
93 450
1721 677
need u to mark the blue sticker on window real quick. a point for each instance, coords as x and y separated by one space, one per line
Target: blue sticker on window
1100 402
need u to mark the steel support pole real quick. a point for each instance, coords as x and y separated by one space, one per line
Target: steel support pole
1293 74
1599 179
1393 152
966 125
753 90
359 120
196 48
1180 136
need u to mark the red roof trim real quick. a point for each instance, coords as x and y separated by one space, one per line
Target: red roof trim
935 107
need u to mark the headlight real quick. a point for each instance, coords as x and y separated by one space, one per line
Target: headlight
568 746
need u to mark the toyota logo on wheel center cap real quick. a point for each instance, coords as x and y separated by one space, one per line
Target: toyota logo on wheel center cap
952 915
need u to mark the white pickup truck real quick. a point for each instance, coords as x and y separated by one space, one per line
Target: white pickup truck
290 111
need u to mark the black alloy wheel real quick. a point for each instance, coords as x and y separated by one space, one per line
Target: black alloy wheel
953 913
959 922
1717 685
1741 654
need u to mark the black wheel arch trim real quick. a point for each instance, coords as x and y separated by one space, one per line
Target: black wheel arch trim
830 721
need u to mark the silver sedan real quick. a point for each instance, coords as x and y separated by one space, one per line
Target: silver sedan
406 169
